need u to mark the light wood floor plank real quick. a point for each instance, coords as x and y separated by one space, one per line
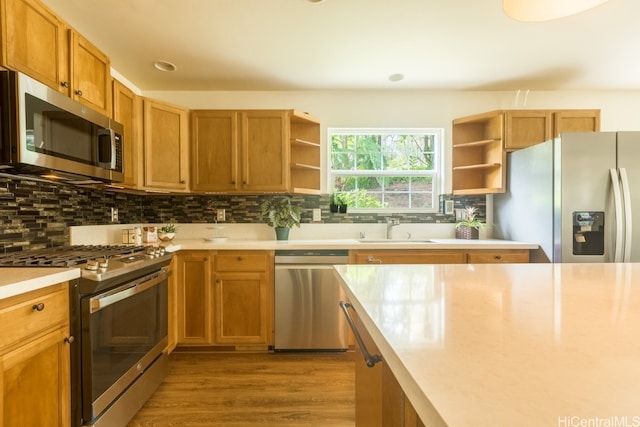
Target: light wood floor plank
254 389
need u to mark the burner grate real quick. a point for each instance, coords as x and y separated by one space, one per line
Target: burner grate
65 256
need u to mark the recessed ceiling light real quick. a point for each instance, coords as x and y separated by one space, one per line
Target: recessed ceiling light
396 77
164 66
315 1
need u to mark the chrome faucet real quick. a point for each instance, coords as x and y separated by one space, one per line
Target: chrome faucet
391 222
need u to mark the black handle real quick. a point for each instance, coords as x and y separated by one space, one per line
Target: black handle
369 359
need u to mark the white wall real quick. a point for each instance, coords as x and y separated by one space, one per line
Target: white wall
620 110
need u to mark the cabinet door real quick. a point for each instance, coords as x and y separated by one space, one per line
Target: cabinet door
214 151
91 75
497 257
166 149
408 257
35 382
524 128
127 110
194 298
265 151
34 41
576 121
242 314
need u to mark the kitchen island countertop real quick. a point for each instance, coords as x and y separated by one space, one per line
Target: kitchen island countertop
15 281
507 344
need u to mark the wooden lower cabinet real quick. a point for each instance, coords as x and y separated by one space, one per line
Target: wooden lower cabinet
482 256
195 297
401 256
380 400
34 359
427 256
243 298
225 298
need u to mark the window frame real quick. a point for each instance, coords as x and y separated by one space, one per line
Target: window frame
437 172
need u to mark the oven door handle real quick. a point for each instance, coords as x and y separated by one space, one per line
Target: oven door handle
99 302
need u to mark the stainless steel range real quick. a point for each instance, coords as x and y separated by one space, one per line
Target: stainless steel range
119 320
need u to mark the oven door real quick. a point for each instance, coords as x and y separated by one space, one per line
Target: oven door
124 330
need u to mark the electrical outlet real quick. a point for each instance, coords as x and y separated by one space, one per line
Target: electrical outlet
220 217
114 214
448 207
317 214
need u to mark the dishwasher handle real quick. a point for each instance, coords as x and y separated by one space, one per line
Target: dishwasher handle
369 359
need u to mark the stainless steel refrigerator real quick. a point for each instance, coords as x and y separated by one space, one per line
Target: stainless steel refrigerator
577 196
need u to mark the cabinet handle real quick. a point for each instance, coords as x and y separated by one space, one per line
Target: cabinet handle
38 307
233 182
239 258
372 260
369 359
79 92
69 339
64 84
182 181
498 257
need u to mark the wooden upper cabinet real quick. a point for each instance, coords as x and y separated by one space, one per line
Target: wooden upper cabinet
264 151
166 146
480 142
34 41
255 151
214 151
38 43
90 74
526 127
127 110
576 121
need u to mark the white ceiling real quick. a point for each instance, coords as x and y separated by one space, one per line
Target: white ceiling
358 44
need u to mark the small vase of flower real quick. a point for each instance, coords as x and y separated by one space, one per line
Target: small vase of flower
469 227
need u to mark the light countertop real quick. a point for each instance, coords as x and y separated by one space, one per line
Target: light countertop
507 344
249 244
15 281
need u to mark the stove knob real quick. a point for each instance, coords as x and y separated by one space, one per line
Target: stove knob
92 264
103 262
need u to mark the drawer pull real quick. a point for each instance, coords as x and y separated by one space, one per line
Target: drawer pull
38 307
372 260
239 258
369 359
69 339
498 257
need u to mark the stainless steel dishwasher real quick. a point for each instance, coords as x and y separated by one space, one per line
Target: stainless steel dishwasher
307 301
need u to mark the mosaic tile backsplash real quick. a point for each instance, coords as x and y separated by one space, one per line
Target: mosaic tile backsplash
38 214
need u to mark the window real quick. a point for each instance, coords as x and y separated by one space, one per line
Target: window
387 169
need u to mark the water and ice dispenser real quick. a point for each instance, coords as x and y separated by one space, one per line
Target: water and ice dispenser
588 233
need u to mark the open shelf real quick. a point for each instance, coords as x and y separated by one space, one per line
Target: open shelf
305 153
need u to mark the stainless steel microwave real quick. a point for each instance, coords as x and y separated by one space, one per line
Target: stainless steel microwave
44 132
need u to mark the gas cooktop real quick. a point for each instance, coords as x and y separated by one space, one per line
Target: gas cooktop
65 256
97 262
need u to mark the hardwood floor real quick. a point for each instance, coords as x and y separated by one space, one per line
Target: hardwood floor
254 389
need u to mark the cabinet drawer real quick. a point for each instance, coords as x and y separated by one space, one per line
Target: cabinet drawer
35 314
241 262
498 257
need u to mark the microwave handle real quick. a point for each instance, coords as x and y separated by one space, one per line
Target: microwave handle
107 148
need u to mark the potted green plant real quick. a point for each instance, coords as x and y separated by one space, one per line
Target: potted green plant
167 232
338 202
469 227
281 215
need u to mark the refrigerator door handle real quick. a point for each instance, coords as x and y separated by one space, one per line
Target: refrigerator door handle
626 201
617 201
